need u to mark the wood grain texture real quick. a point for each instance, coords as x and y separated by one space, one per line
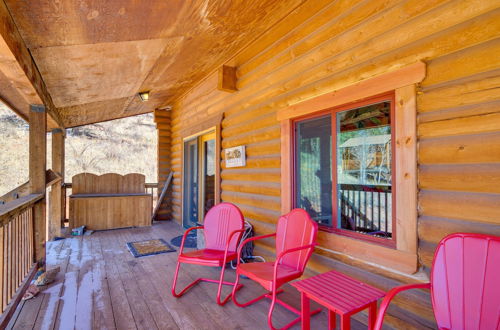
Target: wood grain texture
405 176
37 172
17 49
100 213
227 79
56 216
389 81
109 183
74 75
192 39
109 201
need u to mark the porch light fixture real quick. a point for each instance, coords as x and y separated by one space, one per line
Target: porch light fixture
144 96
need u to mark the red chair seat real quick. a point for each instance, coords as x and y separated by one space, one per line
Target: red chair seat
206 257
262 273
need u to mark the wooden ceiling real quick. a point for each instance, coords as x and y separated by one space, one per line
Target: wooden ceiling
94 56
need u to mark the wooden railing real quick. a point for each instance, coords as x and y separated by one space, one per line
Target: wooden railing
17 251
15 193
152 188
366 208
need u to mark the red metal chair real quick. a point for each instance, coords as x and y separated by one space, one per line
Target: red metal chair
464 283
223 227
295 240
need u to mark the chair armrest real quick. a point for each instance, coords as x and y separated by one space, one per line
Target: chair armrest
229 241
385 303
283 253
249 240
185 235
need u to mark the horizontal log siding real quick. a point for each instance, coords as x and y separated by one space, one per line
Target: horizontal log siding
323 46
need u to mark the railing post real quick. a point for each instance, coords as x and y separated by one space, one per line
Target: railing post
55 196
37 169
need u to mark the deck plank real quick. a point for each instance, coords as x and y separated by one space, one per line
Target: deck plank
140 311
120 304
149 294
85 295
35 312
66 312
51 295
102 286
102 303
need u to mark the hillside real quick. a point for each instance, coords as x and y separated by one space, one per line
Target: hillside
122 146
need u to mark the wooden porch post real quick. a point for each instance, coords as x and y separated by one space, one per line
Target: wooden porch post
163 127
37 169
55 197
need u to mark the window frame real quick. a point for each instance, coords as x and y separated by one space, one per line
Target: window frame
403 80
333 111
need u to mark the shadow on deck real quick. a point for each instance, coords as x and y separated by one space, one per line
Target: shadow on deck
102 286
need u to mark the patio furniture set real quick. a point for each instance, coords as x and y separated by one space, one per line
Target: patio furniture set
463 285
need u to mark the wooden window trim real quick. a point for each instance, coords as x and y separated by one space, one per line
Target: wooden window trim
402 82
333 112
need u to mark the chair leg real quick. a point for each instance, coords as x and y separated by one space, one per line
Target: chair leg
275 300
221 282
248 303
236 287
174 283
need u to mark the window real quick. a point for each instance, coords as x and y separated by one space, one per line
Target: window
313 175
344 180
365 162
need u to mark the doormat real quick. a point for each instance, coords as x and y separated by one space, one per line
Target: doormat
149 247
190 243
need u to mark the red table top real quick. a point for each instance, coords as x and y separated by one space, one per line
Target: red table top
338 292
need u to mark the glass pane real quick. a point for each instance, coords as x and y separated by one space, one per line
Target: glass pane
313 175
190 211
209 172
364 176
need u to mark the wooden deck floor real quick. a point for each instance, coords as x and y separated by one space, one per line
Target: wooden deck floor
102 286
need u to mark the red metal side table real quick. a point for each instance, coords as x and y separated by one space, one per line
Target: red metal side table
339 293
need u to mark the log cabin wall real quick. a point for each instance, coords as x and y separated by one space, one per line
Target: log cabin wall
326 45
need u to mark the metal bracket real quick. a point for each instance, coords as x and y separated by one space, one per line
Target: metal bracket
37 107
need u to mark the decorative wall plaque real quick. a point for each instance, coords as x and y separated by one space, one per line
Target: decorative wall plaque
235 157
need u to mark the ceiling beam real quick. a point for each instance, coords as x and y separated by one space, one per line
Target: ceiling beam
13 39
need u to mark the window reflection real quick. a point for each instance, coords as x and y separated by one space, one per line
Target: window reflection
364 173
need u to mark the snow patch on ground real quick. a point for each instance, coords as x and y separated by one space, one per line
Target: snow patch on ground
50 312
68 298
84 303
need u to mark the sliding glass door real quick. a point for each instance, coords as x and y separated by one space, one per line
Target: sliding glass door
199 178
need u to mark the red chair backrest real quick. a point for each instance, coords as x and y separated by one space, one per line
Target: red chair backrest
295 229
465 282
220 221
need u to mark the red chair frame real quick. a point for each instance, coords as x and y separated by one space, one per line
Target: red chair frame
227 257
275 283
432 286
